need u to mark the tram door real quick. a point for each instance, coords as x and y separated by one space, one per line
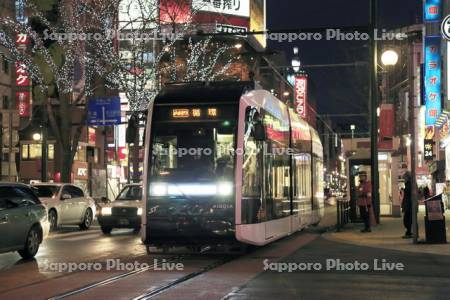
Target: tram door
356 166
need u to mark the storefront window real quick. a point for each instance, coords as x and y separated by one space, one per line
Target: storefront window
25 152
51 151
80 155
35 151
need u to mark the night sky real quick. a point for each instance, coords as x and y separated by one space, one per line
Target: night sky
337 90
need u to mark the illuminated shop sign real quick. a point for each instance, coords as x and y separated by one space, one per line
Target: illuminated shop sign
223 28
432 10
428 150
23 103
300 95
432 79
239 8
20 12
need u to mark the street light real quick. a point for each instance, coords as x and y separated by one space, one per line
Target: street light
295 62
389 58
36 137
352 128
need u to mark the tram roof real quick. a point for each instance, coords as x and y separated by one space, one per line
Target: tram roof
218 91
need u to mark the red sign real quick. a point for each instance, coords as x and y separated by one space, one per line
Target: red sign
22 76
22 40
301 95
386 121
23 103
91 136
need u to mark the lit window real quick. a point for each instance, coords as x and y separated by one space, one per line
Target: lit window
25 152
196 112
51 151
35 151
212 112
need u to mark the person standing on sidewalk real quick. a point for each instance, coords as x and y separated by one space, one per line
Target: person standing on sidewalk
446 194
407 206
364 200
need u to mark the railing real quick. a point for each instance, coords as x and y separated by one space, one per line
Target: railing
343 212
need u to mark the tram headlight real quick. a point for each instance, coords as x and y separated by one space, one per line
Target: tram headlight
106 211
224 188
139 212
158 189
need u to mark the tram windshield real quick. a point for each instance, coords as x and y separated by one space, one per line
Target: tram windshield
193 144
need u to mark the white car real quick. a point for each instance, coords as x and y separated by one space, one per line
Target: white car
66 204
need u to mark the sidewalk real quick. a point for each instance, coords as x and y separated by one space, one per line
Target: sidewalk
387 235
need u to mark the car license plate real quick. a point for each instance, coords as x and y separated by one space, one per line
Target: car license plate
124 222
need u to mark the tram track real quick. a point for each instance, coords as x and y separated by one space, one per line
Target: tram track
151 294
164 288
112 279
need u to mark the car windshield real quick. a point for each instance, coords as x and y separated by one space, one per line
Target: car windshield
130 193
46 191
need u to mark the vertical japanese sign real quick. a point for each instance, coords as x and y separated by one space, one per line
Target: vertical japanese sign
301 94
23 82
432 79
22 76
23 103
432 10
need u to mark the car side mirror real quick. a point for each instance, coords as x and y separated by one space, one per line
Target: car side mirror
259 132
105 200
65 197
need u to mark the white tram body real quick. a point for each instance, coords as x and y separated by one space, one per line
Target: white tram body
261 180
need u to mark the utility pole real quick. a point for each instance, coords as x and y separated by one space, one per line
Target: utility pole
44 153
412 129
373 108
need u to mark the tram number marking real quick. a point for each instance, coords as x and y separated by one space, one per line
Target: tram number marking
153 209
222 206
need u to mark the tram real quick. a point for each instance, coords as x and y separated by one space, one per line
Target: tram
226 162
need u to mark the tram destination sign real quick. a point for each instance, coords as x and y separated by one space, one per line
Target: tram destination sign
194 113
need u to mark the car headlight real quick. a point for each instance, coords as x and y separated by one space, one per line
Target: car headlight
106 211
139 211
158 189
224 188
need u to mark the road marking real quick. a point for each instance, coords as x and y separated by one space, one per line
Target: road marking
80 238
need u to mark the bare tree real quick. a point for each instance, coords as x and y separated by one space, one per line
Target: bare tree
69 49
79 47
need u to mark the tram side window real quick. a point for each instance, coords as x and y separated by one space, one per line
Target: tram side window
318 183
253 209
276 157
302 179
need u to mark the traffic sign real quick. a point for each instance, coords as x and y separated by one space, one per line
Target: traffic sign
445 28
104 111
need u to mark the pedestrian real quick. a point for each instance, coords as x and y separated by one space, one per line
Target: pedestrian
364 200
446 194
407 206
426 192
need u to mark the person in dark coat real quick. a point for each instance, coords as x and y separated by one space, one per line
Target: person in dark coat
407 206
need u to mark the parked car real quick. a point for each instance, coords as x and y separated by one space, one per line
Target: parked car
124 212
66 204
23 220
